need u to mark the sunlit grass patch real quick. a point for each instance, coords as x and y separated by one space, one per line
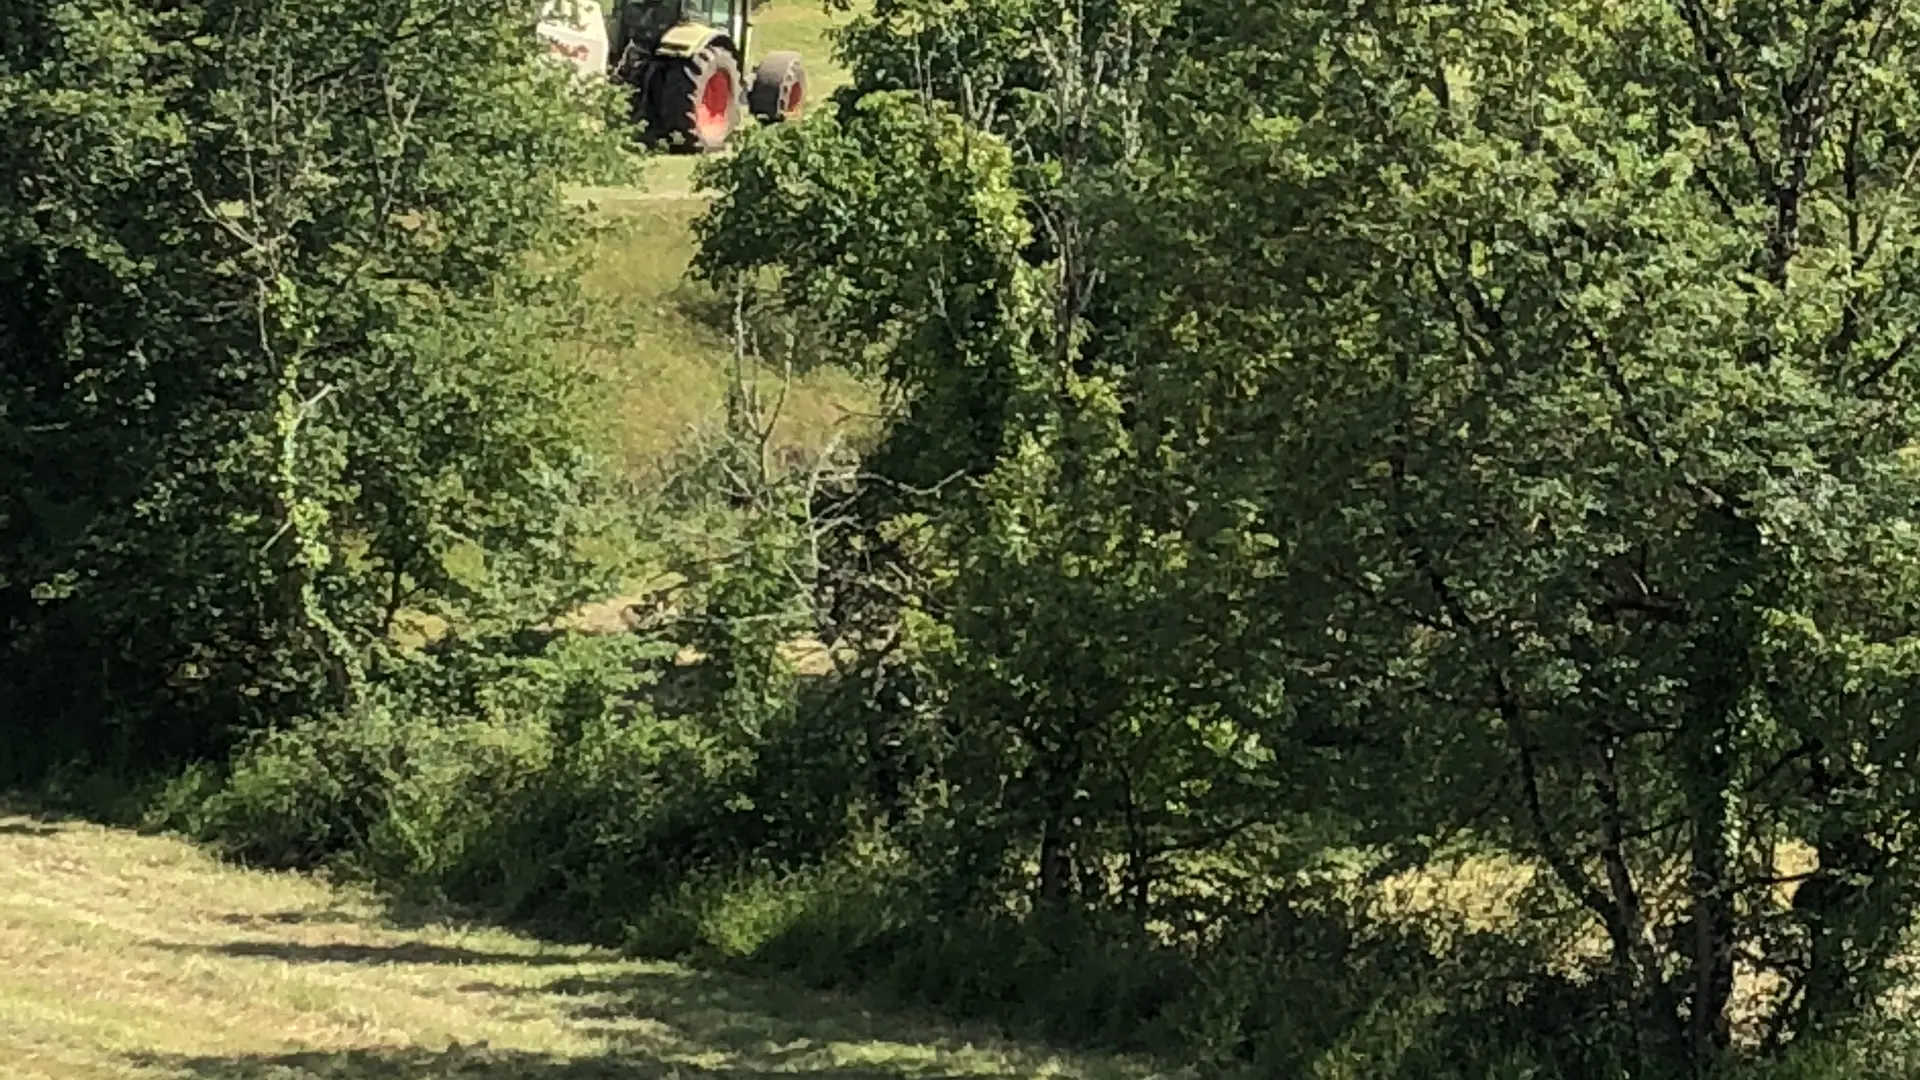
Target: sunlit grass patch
126 957
665 363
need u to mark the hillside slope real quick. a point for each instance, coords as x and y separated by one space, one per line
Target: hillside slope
666 350
127 957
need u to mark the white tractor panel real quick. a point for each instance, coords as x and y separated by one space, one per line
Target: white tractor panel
576 31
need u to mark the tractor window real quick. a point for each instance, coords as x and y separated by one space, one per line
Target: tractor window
715 13
643 21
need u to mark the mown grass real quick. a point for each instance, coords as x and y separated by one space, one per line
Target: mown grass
662 349
662 354
666 355
126 957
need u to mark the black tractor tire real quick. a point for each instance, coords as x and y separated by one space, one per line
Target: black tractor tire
779 90
699 101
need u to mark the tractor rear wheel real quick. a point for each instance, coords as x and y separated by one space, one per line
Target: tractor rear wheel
700 100
779 90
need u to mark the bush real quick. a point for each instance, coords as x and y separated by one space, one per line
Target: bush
1885 1048
443 778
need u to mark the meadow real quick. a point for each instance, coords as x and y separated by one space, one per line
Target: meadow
128 957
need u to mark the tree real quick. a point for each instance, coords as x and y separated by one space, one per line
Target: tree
1525 387
1576 346
946 225
279 286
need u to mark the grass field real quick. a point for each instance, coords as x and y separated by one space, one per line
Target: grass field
665 358
126 957
663 350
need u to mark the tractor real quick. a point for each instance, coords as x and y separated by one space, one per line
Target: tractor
682 61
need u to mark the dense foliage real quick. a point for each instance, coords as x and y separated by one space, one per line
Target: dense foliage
275 283
1391 553
1454 421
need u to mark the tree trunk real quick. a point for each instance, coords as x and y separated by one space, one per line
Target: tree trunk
1722 672
1710 884
884 720
1056 859
1853 925
1138 873
1062 778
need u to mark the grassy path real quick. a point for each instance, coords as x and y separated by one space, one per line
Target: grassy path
125 957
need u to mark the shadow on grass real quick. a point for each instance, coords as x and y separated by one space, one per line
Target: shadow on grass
411 952
22 815
767 1027
405 916
328 917
28 828
724 1011
467 1064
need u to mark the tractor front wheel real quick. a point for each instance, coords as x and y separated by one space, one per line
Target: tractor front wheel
779 89
700 100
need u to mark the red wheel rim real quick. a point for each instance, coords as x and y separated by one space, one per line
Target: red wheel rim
713 113
796 96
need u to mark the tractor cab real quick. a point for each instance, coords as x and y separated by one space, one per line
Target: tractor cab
645 22
684 61
728 15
